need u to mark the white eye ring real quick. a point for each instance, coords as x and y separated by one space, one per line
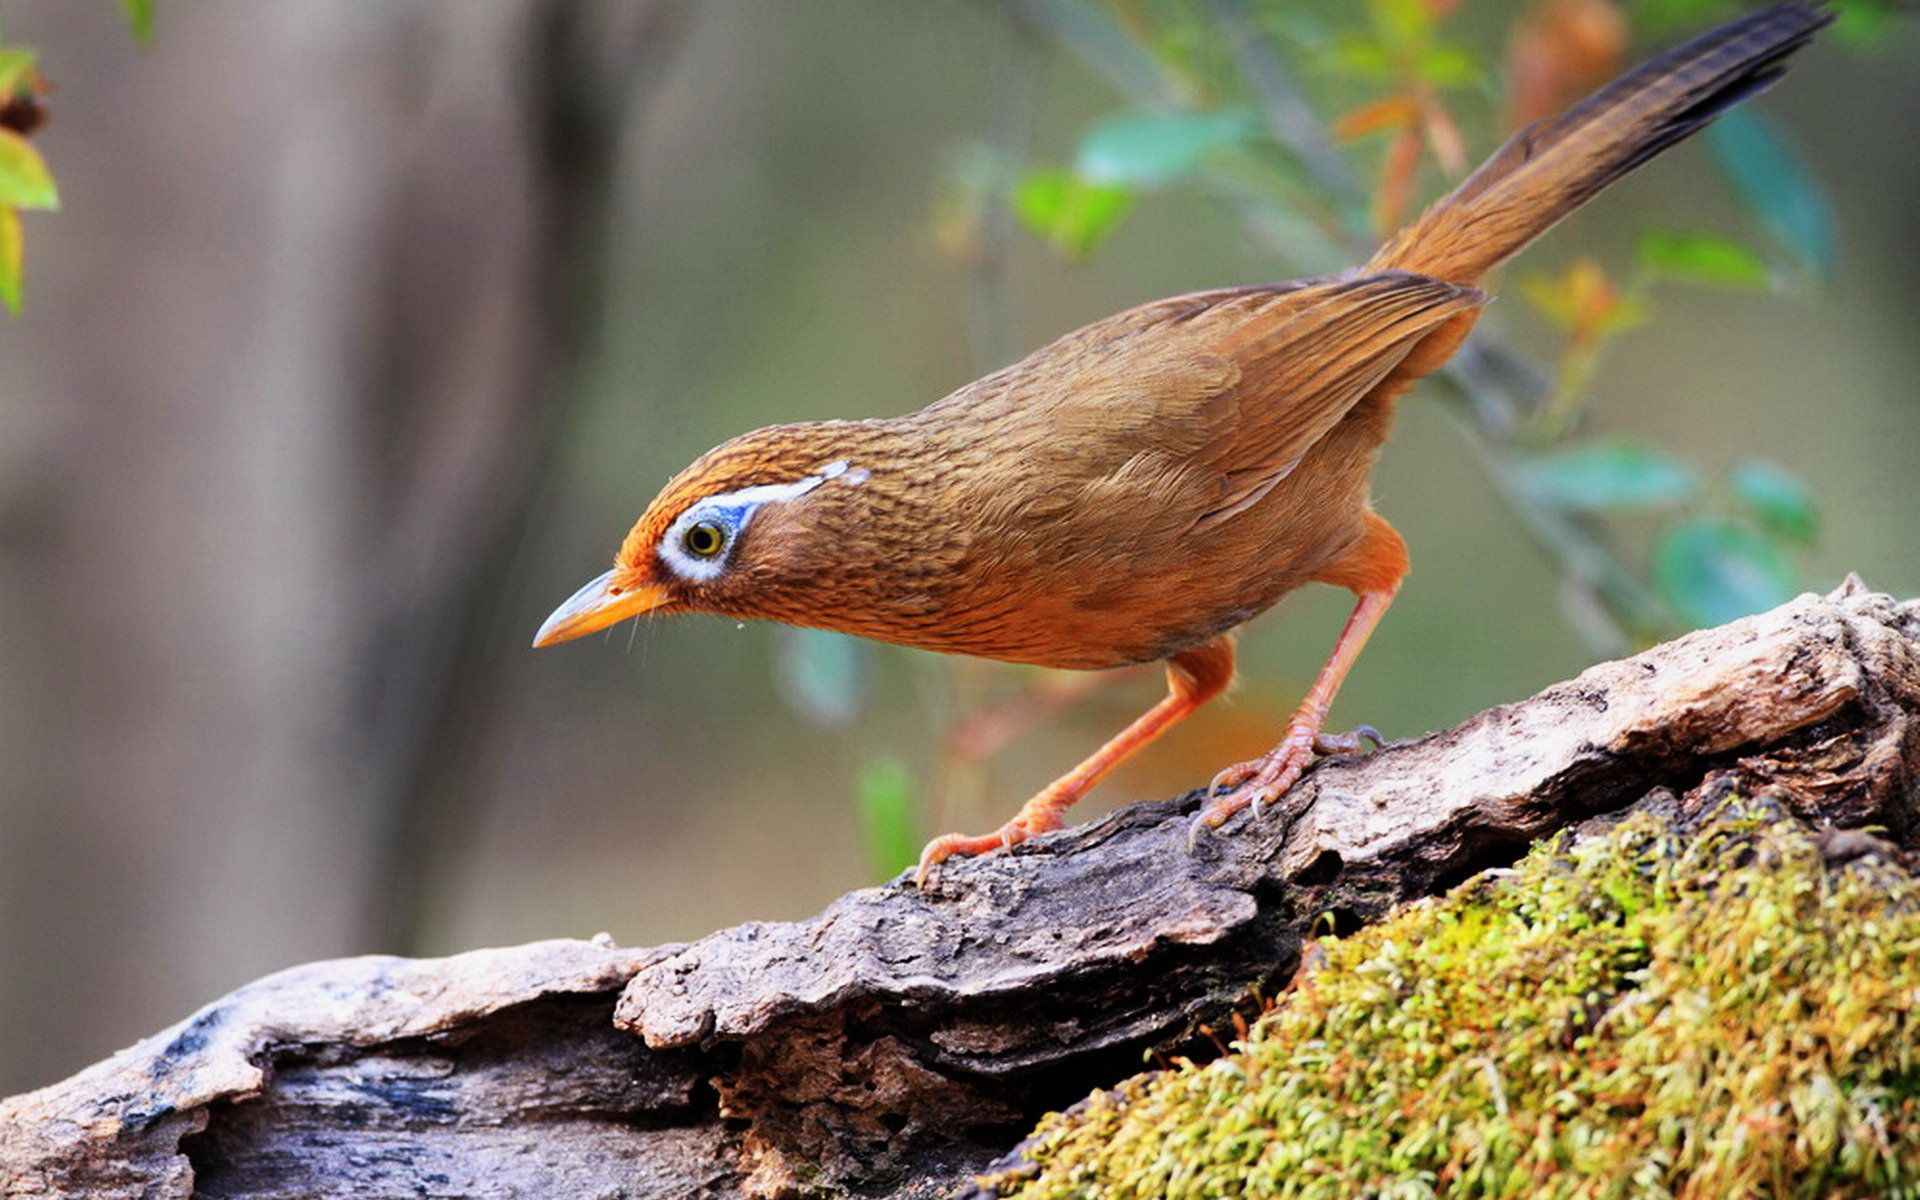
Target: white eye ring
730 512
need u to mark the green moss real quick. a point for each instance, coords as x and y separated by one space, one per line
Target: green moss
1635 1013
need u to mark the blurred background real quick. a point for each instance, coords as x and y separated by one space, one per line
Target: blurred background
363 332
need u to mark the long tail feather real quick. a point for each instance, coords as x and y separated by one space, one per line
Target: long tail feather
1552 167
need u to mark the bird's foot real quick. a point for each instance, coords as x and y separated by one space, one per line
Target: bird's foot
1261 781
1031 821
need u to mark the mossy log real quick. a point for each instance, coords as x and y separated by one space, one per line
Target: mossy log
1713 1001
902 1043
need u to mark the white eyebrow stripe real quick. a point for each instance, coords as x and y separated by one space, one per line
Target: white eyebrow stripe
735 510
764 493
837 470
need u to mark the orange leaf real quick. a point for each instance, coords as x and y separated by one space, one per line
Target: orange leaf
1394 112
1559 52
1397 175
1583 300
1592 293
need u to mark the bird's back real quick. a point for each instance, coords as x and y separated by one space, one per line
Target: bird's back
1153 478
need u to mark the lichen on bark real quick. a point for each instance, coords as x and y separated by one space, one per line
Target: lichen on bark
1672 1005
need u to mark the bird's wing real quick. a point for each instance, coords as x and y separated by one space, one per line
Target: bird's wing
1304 358
1188 409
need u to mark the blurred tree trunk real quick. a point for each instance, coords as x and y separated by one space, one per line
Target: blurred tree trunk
294 419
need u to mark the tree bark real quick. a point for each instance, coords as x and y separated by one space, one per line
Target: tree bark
903 1039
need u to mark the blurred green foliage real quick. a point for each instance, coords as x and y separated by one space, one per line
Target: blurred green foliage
25 181
1150 149
823 676
1607 475
890 827
1383 66
16 69
139 14
1713 570
1860 21
1778 500
1776 185
1072 213
1699 258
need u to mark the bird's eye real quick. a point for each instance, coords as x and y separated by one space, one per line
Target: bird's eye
704 540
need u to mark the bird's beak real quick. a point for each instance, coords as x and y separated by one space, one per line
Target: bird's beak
621 593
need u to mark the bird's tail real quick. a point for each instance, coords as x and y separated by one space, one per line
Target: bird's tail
1552 167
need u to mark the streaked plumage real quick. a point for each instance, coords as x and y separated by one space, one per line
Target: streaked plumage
1138 488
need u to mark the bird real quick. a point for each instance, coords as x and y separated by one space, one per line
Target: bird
1138 489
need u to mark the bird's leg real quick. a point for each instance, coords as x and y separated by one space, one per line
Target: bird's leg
1193 677
1373 570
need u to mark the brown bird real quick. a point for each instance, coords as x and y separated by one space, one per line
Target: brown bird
1139 488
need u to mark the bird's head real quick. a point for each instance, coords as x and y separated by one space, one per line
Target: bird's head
747 530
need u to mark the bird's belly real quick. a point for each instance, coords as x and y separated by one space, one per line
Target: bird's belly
1162 587
1104 620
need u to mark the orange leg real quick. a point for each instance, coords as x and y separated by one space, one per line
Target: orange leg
1373 571
1193 677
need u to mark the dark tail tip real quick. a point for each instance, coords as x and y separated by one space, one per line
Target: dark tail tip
1552 167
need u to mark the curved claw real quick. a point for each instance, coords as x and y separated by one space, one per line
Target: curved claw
1196 828
1348 742
1204 823
1024 826
1230 777
1259 784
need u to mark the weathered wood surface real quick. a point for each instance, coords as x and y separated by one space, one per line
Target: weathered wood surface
901 1040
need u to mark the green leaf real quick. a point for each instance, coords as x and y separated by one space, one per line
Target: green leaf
889 825
1700 258
1296 25
1402 22
1150 149
1664 15
1778 500
16 65
1606 475
1361 57
1627 312
1864 21
1069 212
1772 180
822 675
139 14
10 259
25 181
1714 571
1450 67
